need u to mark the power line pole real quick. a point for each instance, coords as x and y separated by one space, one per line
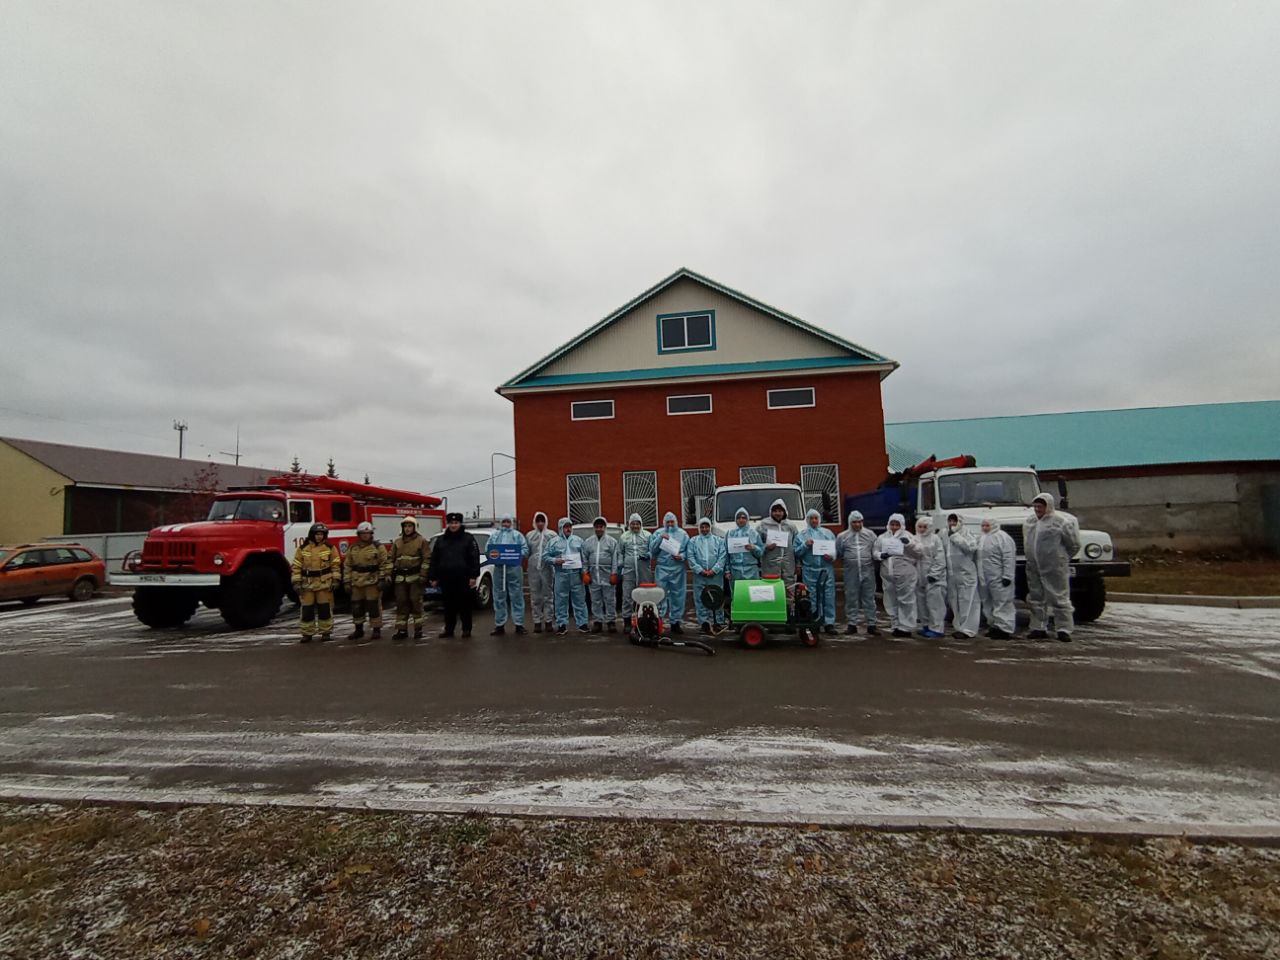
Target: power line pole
181 427
228 453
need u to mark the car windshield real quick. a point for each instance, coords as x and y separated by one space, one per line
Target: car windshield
1012 489
248 509
757 503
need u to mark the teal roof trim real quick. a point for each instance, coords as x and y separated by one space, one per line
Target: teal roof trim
521 379
1094 439
695 370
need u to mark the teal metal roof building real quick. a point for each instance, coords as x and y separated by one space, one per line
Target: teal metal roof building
1099 439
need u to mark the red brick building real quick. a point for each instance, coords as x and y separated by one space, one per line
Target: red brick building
690 385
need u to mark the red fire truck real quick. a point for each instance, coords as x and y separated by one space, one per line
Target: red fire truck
237 561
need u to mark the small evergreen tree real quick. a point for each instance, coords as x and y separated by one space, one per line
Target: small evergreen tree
296 466
332 471
366 479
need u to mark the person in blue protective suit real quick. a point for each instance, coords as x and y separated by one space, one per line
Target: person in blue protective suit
707 556
931 580
564 556
542 590
1049 540
997 564
854 548
600 560
633 562
818 570
746 564
508 579
672 575
962 579
778 559
897 552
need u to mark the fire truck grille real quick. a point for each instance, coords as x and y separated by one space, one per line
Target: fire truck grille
1015 531
169 553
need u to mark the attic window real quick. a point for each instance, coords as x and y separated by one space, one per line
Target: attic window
684 332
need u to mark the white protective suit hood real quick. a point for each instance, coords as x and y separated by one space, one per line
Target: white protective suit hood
853 515
1050 505
564 522
813 514
741 512
670 519
635 518
926 522
902 522
539 514
701 521
506 518
779 503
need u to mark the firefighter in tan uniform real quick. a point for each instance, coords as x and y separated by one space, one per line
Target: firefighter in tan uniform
410 554
366 570
317 569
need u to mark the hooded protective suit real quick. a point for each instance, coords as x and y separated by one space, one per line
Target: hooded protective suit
819 572
1049 543
508 579
542 601
567 546
600 557
633 562
854 549
997 564
962 580
775 559
707 551
744 565
931 577
898 574
672 574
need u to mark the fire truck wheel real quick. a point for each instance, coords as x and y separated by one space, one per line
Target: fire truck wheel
252 598
752 636
160 607
1089 597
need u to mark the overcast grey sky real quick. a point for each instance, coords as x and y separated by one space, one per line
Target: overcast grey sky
341 225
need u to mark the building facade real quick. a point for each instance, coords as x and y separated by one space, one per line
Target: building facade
689 386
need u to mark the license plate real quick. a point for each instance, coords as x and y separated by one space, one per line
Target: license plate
151 577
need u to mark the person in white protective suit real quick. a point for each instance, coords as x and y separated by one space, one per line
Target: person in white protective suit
962 579
1049 540
854 548
931 580
897 552
997 563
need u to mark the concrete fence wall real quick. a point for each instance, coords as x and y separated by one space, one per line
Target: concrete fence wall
111 547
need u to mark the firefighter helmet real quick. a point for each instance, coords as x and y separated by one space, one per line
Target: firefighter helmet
409 519
317 528
365 527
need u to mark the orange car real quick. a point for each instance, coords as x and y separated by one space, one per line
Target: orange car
34 570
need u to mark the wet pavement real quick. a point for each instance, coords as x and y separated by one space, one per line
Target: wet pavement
1155 714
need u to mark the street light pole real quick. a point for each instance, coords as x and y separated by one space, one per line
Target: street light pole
493 486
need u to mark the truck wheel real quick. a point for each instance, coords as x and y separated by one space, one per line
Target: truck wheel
1089 597
160 607
484 593
753 636
252 598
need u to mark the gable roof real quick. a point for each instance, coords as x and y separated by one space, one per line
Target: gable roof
91 466
857 355
1090 439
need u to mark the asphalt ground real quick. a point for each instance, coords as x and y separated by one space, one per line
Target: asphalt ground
1154 714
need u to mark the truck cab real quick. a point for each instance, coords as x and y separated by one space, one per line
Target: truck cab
756 498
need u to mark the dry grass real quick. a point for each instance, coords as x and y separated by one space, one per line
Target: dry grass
241 882
1202 574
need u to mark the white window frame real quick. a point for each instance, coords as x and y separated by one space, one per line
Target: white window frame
743 470
628 507
804 492
569 501
574 403
813 394
689 413
684 316
684 497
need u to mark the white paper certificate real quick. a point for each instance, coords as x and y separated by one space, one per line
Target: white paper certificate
737 544
760 593
778 537
671 545
823 548
891 548
573 561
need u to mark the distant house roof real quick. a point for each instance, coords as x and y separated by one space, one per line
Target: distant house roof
90 466
855 355
1089 439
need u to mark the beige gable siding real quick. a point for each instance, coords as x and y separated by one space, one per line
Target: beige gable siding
743 335
31 498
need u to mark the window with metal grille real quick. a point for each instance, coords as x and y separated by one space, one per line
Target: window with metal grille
591 410
696 488
757 474
584 496
796 397
821 485
690 403
640 495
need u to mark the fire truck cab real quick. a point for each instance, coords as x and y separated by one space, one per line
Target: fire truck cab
237 560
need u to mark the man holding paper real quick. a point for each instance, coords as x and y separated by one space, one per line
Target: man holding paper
667 549
816 551
600 554
779 536
564 556
507 549
744 548
897 552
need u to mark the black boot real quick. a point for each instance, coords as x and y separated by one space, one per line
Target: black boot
597 627
613 627
417 631
873 631
499 630
402 633
704 627
519 629
676 628
1037 635
537 627
829 628
377 633
995 633
851 629
357 633
1064 636
326 637
445 634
